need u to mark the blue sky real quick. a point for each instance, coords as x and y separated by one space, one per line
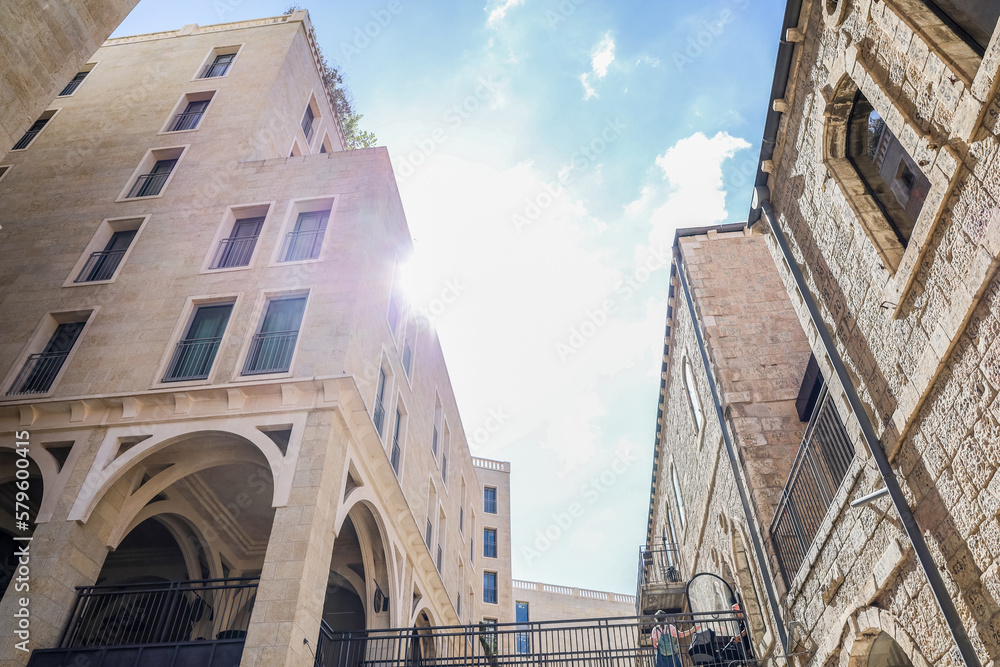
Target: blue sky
545 152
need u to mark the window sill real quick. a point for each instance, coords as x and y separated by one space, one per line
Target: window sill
239 377
125 199
298 262
181 384
228 269
194 129
73 283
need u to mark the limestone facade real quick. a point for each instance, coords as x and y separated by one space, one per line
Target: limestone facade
494 523
913 309
44 46
548 602
240 389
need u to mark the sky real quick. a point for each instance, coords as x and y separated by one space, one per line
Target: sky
546 150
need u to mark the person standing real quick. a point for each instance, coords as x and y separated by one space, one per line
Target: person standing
665 636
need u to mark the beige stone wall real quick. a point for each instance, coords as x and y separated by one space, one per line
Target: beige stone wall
917 328
44 46
58 194
548 602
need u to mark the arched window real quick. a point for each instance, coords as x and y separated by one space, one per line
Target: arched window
885 652
694 401
888 172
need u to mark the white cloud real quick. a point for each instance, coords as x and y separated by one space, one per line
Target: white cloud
600 60
603 56
692 168
499 12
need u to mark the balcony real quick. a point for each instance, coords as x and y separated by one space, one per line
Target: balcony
234 252
192 359
171 624
659 582
148 185
270 352
820 465
605 642
303 244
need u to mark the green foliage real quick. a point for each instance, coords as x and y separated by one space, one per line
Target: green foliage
343 102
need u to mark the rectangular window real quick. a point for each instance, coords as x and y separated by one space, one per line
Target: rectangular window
272 347
307 122
379 415
40 370
103 264
149 185
306 240
396 452
490 587
33 131
677 496
190 117
521 639
489 543
74 84
434 441
195 354
427 533
458 604
444 468
219 65
407 356
490 500
472 549
440 559
237 249
461 519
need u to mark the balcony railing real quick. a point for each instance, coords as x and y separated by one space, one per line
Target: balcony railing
192 359
605 642
270 352
100 266
38 373
820 465
659 565
186 121
172 624
148 185
302 245
234 252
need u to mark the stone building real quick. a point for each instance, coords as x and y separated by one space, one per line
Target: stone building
877 199
234 434
46 48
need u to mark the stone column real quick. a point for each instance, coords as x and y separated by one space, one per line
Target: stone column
290 598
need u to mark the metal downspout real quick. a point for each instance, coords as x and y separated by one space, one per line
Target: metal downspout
744 500
913 532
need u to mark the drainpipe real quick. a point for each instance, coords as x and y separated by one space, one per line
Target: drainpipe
730 450
913 532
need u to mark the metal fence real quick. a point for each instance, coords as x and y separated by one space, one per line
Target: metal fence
820 465
176 611
148 185
38 373
304 244
704 640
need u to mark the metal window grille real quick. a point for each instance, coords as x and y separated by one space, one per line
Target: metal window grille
74 84
190 117
219 66
300 245
100 265
149 185
234 252
38 373
192 359
30 135
820 465
270 352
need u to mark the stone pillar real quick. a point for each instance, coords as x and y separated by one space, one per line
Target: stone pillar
290 598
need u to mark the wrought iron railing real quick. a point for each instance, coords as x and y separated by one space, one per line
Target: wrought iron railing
28 136
302 245
192 359
176 611
187 120
820 465
100 266
38 373
148 185
270 352
718 639
234 252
